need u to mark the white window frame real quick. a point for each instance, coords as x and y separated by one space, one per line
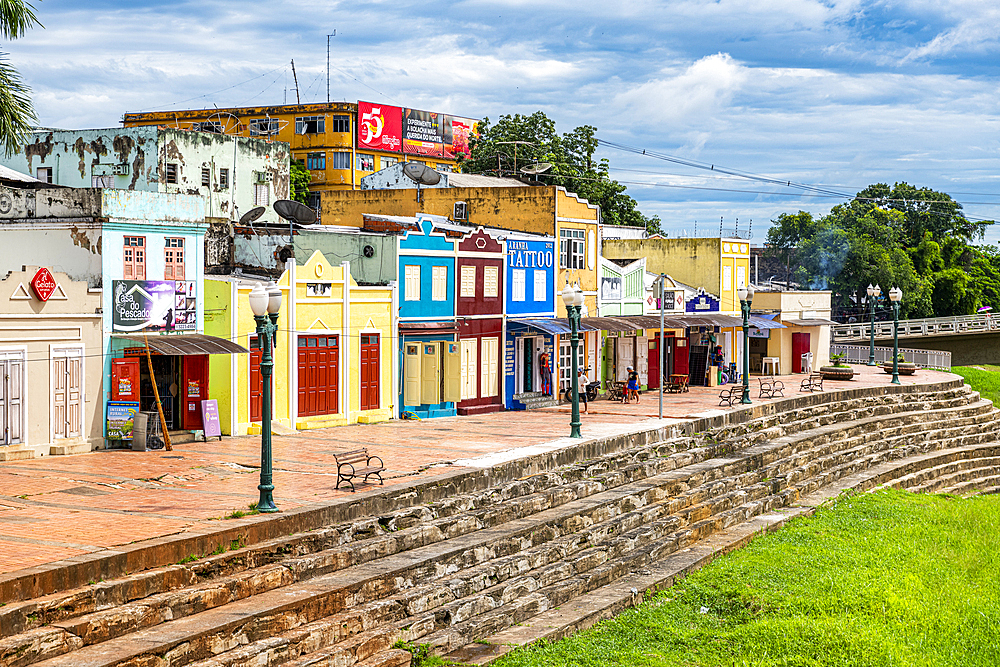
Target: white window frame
566 362
361 159
44 174
491 282
439 283
572 248
741 276
469 281
411 288
517 285
541 285
727 278
340 160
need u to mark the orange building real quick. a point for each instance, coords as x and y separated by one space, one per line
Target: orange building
328 139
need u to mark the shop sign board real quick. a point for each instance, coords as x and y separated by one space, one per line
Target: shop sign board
120 419
154 305
43 284
210 419
759 333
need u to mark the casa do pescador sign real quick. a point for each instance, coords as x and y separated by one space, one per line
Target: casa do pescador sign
43 284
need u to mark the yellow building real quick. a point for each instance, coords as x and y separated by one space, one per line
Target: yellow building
334 366
324 136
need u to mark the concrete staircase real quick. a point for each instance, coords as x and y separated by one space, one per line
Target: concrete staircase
477 563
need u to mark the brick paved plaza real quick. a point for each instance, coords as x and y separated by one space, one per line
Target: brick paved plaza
58 507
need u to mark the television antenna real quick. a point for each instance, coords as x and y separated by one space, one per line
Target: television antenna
516 144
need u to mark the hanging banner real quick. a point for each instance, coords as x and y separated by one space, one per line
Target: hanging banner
154 305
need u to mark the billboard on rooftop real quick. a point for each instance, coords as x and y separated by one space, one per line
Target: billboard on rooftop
383 127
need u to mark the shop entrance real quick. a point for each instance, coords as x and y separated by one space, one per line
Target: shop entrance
181 380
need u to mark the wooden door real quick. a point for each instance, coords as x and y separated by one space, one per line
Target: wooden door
11 401
490 368
125 379
800 346
653 364
430 373
452 390
256 382
319 375
642 359
370 372
411 374
624 357
681 356
528 360
60 420
194 390
470 367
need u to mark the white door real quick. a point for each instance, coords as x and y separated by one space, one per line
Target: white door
490 367
642 359
67 392
11 401
626 357
470 365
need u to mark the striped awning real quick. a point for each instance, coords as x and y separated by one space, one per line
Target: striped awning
185 344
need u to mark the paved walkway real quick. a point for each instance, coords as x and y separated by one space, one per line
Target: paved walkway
57 507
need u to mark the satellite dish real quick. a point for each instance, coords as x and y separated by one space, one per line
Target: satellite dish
539 168
421 173
252 215
295 211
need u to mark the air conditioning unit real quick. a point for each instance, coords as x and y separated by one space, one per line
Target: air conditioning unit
262 176
461 211
120 169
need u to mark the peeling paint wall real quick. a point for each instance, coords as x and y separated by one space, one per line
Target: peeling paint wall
136 158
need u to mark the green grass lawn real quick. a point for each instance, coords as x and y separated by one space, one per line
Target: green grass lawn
890 578
984 379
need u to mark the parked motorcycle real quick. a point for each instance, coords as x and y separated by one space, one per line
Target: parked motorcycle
590 391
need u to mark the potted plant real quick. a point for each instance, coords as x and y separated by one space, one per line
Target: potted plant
839 370
903 366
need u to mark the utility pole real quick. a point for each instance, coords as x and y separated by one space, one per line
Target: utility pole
334 34
296 78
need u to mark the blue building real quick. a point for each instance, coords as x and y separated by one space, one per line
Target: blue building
531 324
430 356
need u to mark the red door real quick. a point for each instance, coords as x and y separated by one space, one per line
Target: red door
194 388
124 379
800 346
318 375
369 371
256 384
681 352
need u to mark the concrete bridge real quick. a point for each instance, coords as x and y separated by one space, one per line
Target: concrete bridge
971 339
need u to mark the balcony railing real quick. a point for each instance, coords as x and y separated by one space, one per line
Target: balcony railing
931 326
858 354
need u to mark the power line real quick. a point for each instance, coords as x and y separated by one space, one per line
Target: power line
198 97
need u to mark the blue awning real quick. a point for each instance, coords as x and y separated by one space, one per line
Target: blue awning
550 325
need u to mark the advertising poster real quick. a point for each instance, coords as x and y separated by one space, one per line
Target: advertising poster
462 130
380 127
154 305
425 132
210 419
120 419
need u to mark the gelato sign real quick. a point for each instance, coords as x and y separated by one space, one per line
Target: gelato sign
154 305
43 284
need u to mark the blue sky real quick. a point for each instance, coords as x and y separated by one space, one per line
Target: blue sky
833 94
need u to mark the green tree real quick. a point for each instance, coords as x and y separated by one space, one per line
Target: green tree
571 155
300 181
17 115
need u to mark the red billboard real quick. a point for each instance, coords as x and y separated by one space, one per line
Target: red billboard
414 132
380 127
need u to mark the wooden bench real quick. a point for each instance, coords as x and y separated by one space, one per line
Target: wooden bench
355 464
677 384
731 395
771 387
811 383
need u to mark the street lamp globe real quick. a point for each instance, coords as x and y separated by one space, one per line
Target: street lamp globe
895 294
258 300
742 292
273 298
577 295
878 291
567 295
871 290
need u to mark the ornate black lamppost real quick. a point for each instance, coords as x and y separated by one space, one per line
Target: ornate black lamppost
873 295
745 293
895 295
572 297
265 304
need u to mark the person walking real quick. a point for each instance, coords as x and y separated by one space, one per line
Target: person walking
632 388
581 382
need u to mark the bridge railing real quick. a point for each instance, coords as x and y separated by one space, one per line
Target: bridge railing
931 326
858 354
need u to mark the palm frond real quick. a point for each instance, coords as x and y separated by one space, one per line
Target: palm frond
16 16
17 115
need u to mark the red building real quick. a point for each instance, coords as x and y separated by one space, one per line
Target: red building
479 309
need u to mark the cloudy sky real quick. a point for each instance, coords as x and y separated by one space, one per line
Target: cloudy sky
835 94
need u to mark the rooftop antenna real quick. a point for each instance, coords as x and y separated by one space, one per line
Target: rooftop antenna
525 143
334 34
295 213
296 77
536 169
